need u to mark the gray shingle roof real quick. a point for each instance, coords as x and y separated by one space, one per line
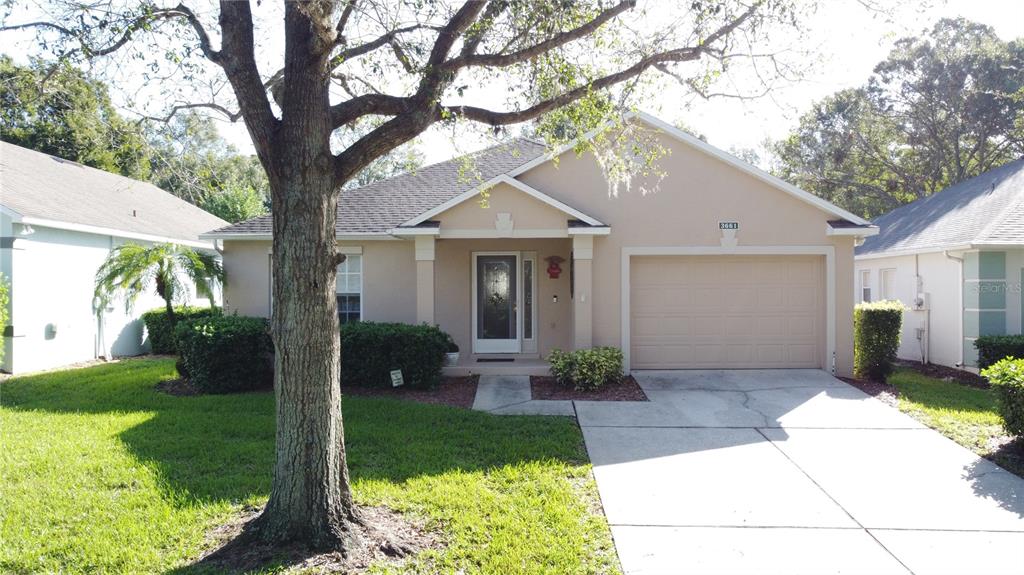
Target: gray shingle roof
384 205
37 185
986 209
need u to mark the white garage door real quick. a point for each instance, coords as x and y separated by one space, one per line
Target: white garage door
727 312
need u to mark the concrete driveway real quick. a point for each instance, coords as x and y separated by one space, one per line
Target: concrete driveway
793 472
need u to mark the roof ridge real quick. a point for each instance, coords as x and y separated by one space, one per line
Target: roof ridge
481 151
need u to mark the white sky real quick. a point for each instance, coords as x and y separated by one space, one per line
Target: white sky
846 39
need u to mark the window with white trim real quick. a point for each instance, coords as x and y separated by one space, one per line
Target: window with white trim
865 285
350 289
887 277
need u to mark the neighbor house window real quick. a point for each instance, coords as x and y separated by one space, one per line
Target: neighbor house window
888 279
865 285
350 289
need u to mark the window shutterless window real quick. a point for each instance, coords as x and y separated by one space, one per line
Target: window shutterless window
888 279
865 285
350 289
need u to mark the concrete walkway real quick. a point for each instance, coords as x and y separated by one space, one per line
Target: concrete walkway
510 395
790 472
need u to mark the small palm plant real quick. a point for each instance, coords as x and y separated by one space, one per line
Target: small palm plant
130 270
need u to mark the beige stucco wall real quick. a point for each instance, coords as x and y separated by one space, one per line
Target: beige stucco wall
389 279
696 193
453 289
481 213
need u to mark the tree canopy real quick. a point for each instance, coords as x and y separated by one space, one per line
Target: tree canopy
941 108
57 109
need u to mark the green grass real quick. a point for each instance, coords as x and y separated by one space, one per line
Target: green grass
965 414
101 473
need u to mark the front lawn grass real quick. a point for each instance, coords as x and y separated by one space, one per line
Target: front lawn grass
99 472
965 414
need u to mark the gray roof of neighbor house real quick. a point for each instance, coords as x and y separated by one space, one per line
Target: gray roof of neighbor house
42 189
382 206
986 209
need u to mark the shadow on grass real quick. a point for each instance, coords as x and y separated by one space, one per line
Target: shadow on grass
221 448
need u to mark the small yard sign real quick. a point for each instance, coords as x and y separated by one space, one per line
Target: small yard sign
728 225
396 378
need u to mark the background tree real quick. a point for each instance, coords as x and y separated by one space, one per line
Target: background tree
131 270
940 109
409 64
57 109
192 161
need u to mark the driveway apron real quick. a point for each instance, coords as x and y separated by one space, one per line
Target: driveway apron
792 472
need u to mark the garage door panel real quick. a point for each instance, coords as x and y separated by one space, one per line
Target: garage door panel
706 312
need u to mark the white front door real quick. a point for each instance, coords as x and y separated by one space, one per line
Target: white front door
497 302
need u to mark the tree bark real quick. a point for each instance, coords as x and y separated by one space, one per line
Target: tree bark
310 498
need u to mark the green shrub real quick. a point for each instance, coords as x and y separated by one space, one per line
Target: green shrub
876 338
992 348
161 333
587 368
370 351
226 353
1007 379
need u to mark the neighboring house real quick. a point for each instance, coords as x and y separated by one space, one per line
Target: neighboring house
724 266
58 222
956 260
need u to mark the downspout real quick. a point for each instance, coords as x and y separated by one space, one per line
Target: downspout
960 307
926 339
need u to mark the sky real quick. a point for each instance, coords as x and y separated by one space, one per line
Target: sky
844 42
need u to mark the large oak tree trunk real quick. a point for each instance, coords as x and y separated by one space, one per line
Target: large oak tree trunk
310 499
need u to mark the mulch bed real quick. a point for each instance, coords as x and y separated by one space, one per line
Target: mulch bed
884 392
453 391
947 373
547 387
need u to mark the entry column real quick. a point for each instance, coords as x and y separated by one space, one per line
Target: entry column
582 318
425 279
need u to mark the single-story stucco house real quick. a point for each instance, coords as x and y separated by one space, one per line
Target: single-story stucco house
956 260
58 222
722 266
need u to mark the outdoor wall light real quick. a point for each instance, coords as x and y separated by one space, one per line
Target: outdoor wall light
554 298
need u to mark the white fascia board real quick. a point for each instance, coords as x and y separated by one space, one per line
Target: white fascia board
859 232
87 229
914 251
503 179
598 231
235 237
368 236
415 231
11 213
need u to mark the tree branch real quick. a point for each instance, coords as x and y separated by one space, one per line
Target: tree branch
502 60
496 118
239 63
231 116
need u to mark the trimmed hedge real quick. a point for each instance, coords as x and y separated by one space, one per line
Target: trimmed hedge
876 338
226 353
587 368
1007 379
992 348
370 351
161 333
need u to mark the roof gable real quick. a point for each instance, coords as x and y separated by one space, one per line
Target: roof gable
514 184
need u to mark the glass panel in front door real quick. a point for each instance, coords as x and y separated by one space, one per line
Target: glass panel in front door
496 297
